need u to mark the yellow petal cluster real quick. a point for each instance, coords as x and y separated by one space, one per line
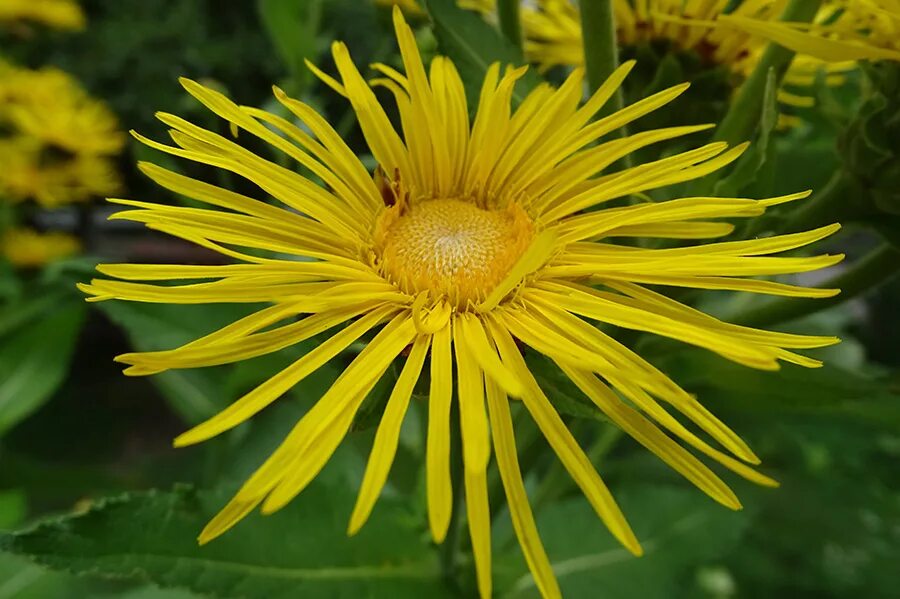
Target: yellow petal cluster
58 14
477 241
58 143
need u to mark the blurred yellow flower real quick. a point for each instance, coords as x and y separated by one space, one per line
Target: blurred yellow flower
59 143
59 14
27 248
471 238
851 30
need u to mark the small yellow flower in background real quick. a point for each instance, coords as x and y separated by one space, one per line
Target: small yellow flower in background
59 143
553 36
473 237
410 8
853 30
27 248
59 14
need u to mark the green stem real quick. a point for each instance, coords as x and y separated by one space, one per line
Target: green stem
601 55
601 52
878 267
510 25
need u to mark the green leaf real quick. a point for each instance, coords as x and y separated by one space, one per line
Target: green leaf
300 551
34 360
292 25
791 390
473 45
196 394
679 529
761 153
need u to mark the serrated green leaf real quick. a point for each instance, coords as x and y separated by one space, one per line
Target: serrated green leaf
34 360
301 551
473 45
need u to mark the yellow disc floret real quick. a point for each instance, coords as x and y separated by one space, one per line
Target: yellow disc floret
451 248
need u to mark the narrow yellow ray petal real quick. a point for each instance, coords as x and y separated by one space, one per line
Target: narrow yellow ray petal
537 254
564 444
279 384
478 514
388 435
471 333
516 497
437 450
340 404
652 438
470 385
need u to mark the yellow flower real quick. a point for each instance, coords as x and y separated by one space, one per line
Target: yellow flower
59 142
852 30
28 248
473 236
60 14
410 7
553 36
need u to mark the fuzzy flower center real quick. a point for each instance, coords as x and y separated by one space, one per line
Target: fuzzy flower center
451 248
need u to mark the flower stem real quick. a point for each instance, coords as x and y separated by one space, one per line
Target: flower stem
878 267
601 53
510 25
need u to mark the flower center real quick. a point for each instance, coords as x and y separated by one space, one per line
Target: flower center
451 248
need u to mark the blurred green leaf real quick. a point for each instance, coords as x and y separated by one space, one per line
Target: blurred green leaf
473 45
301 551
13 507
759 158
196 394
34 360
679 529
792 389
565 396
292 26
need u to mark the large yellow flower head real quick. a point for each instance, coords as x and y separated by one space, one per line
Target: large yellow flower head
553 29
59 14
850 30
475 241
58 143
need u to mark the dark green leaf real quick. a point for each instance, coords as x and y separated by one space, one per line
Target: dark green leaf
34 360
679 528
827 390
195 394
750 166
301 551
473 45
